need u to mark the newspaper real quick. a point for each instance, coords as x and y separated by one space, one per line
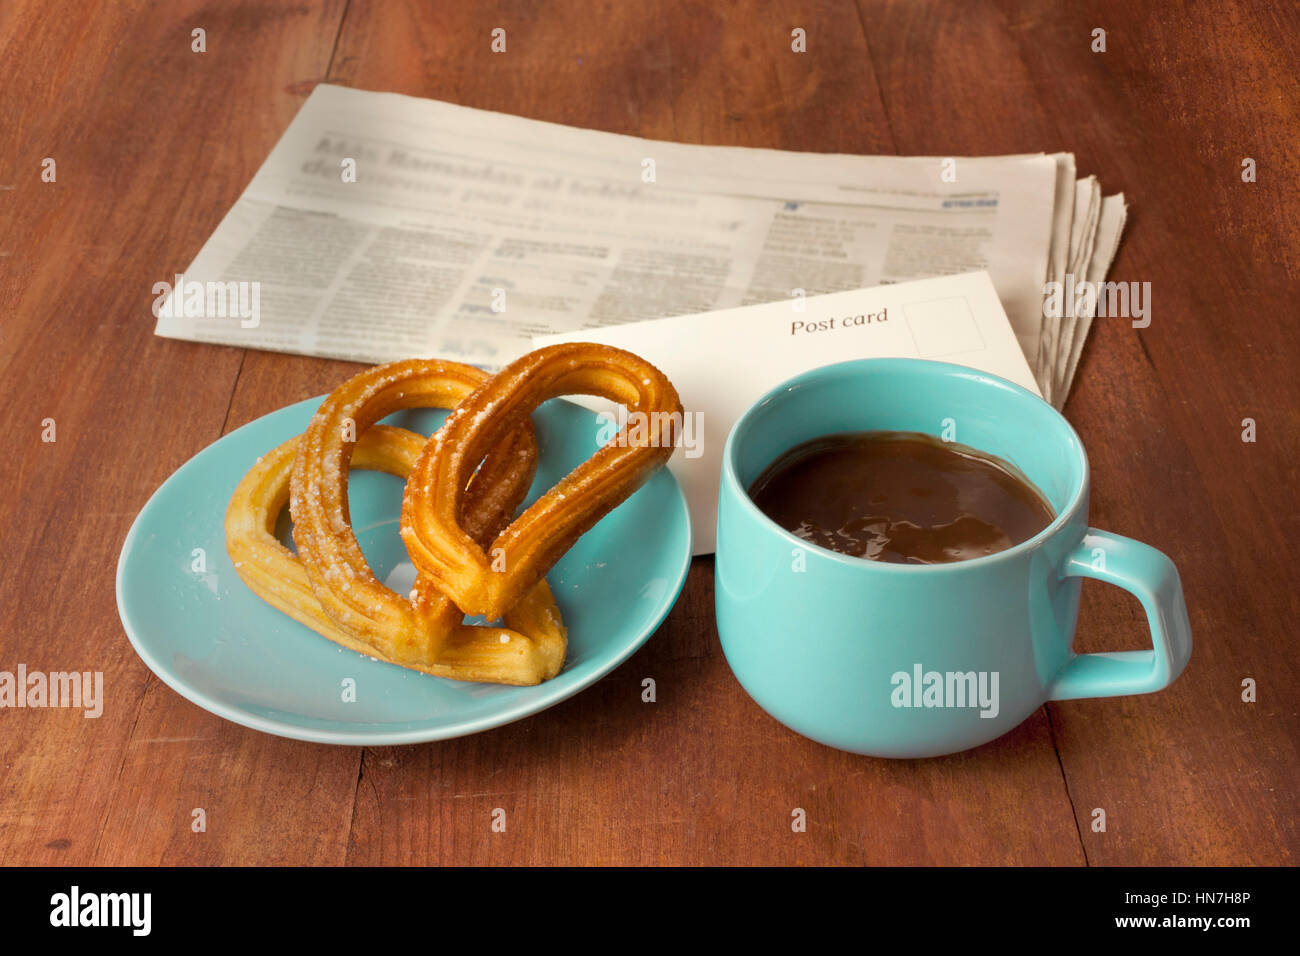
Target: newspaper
384 226
1108 225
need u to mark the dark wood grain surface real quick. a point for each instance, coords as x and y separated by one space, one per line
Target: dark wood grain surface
154 143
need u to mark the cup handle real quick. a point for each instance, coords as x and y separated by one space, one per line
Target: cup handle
1152 578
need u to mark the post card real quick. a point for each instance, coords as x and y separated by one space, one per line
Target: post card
722 362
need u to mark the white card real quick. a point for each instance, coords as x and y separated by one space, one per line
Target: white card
722 362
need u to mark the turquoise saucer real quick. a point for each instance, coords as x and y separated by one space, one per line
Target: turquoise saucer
212 640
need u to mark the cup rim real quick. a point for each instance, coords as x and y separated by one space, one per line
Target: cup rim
1063 517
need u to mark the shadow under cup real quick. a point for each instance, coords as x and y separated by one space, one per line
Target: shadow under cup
920 660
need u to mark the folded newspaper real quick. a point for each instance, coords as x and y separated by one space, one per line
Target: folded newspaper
384 226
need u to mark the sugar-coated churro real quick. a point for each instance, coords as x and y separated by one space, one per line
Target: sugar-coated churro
490 579
328 585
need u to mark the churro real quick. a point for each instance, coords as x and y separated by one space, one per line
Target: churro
490 579
328 585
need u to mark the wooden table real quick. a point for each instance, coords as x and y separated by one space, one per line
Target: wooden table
153 143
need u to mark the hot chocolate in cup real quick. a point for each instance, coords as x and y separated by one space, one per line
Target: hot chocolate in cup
922 659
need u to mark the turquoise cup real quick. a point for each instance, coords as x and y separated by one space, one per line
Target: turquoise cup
920 660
